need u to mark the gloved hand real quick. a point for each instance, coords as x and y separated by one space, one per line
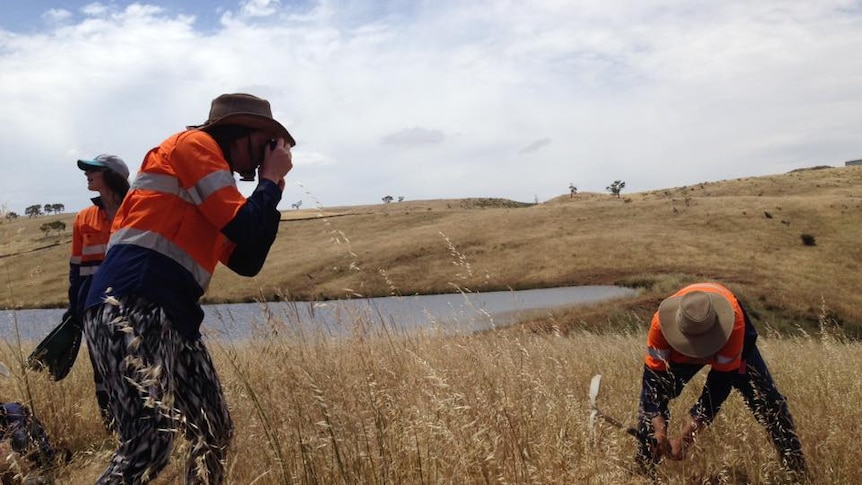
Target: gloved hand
57 352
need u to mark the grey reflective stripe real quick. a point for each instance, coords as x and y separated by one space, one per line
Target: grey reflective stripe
157 182
94 249
88 270
721 359
168 184
75 260
211 183
658 353
162 245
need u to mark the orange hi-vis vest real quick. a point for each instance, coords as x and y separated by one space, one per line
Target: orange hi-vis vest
90 233
728 358
184 194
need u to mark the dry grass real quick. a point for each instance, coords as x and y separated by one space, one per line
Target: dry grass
384 407
507 406
715 230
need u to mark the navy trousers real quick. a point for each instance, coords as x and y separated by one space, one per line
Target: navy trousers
761 396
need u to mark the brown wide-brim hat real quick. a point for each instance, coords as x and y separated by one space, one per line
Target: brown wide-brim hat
245 110
696 324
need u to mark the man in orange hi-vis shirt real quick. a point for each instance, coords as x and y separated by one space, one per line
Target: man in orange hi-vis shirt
704 324
182 216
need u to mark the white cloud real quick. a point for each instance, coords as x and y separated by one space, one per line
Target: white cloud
414 136
657 93
56 15
94 9
259 8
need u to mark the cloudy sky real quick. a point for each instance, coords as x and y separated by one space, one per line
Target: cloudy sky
438 99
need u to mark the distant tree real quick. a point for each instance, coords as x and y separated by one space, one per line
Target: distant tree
58 208
400 198
48 208
616 187
33 211
11 215
387 199
297 204
572 190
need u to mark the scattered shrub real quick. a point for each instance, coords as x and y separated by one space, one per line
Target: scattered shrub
808 240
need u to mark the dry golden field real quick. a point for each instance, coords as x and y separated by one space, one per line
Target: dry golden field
383 406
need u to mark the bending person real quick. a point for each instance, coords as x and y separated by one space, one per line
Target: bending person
704 324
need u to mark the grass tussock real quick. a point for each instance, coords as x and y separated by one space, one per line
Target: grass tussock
383 406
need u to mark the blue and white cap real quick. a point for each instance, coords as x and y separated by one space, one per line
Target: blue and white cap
111 162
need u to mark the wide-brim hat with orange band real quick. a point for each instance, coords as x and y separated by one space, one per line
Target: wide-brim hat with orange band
696 324
245 110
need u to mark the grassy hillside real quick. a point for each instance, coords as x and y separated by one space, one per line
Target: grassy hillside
744 232
381 406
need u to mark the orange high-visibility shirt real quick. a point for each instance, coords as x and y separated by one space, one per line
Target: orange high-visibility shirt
90 233
170 231
184 194
728 358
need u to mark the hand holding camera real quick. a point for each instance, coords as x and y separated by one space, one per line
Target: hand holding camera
277 161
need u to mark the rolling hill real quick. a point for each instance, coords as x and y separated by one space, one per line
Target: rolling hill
789 244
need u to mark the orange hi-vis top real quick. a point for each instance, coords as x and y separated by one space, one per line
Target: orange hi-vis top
182 216
179 209
90 234
169 232
728 358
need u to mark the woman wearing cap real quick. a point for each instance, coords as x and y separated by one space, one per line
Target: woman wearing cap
704 324
183 215
109 176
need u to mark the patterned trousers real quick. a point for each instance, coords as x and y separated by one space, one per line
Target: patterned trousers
159 383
